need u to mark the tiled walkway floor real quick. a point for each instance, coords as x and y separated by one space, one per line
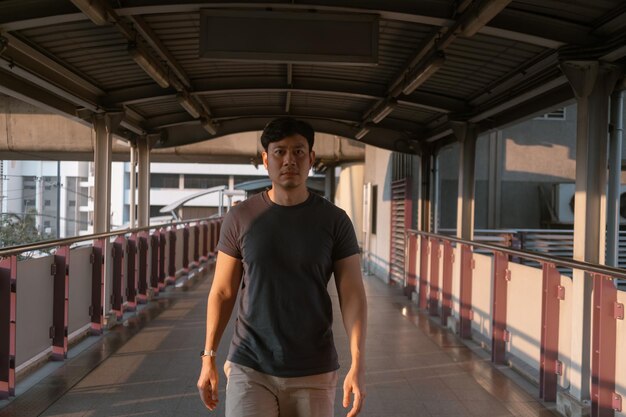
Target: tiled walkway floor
414 368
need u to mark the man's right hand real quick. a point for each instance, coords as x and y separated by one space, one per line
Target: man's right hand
207 383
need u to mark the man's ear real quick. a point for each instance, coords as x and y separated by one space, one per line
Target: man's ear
312 158
264 157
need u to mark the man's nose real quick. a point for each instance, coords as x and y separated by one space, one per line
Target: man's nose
289 159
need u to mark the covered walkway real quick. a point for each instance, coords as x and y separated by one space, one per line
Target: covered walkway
149 367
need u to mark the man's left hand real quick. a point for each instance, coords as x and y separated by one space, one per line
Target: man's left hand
354 384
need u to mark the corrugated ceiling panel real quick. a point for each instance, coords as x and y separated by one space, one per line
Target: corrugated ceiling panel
330 101
247 99
474 63
96 52
158 108
580 11
413 114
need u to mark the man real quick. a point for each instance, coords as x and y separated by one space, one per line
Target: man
284 244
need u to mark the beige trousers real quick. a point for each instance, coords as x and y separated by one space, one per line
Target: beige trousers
250 393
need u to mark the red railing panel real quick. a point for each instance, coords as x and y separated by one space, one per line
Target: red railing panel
501 276
186 248
97 286
117 252
604 344
433 294
196 245
467 261
155 246
162 272
446 295
170 279
411 276
60 302
549 333
142 268
8 310
423 273
131 273
205 241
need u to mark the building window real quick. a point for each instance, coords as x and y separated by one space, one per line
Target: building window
205 181
46 203
46 223
164 181
72 203
245 178
557 114
29 203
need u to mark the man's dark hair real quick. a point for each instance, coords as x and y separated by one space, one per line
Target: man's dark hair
279 129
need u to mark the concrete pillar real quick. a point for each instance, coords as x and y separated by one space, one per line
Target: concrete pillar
104 125
39 199
102 176
592 83
329 184
143 181
425 184
132 192
435 189
496 159
466 134
63 207
615 173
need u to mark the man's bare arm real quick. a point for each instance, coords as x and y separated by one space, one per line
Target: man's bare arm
354 312
220 305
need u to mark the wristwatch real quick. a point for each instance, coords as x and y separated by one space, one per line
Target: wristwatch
212 353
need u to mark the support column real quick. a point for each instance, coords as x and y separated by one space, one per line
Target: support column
466 134
592 83
329 185
143 181
132 192
424 192
615 173
435 191
104 125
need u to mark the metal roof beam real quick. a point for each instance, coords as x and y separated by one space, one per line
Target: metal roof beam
418 100
150 37
510 24
29 93
32 65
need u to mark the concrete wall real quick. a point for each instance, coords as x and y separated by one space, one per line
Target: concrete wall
511 165
378 163
349 195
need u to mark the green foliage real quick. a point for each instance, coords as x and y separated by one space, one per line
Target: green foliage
16 230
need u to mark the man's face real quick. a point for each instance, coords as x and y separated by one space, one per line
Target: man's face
288 161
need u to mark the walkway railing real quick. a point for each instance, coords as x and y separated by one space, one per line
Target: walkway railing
554 242
86 284
523 313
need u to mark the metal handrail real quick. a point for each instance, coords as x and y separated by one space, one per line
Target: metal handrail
16 250
568 263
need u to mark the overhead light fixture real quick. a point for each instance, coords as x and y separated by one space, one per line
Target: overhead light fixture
424 72
94 10
149 65
384 111
208 126
189 104
361 133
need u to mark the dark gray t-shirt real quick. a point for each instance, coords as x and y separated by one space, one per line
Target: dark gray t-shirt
284 324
